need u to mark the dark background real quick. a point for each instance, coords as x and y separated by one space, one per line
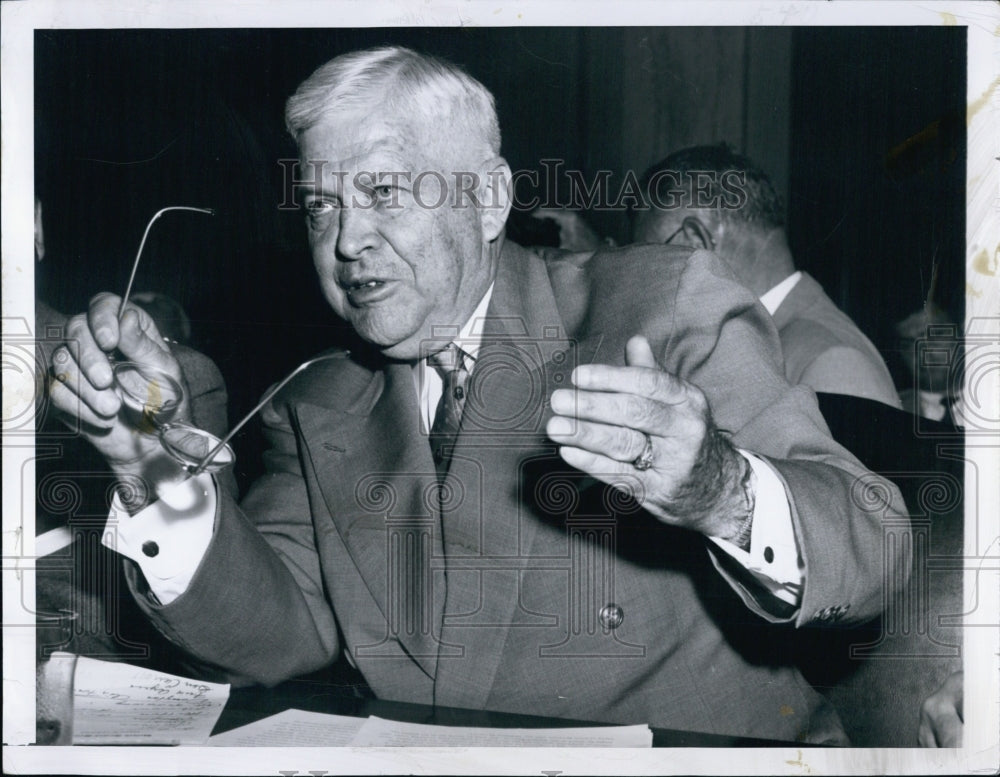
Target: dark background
862 129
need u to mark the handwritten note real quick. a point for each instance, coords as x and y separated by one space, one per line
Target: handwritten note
121 704
292 728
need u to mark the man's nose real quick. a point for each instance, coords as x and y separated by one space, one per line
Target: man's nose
357 233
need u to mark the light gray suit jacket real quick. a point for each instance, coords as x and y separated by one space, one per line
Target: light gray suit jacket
825 350
530 587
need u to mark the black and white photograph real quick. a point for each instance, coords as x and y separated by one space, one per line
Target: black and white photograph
450 388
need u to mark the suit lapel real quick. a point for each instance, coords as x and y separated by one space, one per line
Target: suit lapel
525 355
374 470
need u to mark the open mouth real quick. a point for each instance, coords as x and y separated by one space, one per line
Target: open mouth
349 287
368 290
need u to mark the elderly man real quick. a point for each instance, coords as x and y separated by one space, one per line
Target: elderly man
711 197
579 489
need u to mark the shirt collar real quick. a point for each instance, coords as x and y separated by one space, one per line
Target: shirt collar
470 336
772 298
426 380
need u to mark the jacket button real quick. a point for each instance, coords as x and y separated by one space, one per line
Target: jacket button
611 616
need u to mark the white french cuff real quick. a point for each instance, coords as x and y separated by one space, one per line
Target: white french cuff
169 537
773 558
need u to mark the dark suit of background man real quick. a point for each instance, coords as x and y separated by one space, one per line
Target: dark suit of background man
711 197
637 511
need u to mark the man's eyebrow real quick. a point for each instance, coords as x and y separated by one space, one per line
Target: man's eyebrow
312 186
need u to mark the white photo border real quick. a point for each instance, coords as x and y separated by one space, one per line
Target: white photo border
981 750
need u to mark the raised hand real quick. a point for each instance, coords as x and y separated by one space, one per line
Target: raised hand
82 383
639 423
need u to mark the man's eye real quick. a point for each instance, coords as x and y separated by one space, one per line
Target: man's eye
383 192
316 208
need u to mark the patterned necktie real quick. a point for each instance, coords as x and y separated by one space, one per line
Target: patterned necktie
450 365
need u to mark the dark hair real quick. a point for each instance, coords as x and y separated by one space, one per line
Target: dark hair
760 205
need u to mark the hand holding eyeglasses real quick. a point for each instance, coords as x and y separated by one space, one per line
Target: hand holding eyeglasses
137 410
122 406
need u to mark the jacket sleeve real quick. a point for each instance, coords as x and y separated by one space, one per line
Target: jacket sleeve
256 607
207 390
847 521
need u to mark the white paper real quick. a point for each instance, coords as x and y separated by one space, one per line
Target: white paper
115 703
53 540
292 728
296 728
377 732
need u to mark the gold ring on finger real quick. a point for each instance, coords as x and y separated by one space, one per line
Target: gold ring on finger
644 460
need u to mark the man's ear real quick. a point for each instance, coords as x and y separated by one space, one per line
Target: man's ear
697 233
495 196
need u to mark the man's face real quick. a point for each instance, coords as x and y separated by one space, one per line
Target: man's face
398 247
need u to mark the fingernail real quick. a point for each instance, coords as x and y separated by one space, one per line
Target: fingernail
560 426
562 401
102 375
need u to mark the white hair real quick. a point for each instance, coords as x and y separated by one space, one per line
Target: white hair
406 83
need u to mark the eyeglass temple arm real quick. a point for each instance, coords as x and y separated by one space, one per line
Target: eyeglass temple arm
267 398
138 255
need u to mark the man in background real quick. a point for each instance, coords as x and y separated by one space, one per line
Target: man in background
713 198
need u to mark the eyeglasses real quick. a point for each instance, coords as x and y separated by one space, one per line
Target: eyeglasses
705 237
674 234
151 397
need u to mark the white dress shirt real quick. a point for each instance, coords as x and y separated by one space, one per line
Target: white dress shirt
773 297
426 379
181 521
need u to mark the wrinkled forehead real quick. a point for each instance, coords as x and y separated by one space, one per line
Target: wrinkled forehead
346 145
363 143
